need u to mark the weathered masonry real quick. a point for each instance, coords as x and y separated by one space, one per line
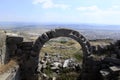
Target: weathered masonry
26 55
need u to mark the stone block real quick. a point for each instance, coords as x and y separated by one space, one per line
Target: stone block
14 40
12 47
26 45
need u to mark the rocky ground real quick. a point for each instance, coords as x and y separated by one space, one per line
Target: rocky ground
60 50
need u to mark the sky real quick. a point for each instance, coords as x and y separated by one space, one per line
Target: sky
61 11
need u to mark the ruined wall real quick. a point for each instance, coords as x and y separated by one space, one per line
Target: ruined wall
13 72
13 47
20 51
13 43
27 53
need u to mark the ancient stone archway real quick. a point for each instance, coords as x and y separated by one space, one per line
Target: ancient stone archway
34 57
62 33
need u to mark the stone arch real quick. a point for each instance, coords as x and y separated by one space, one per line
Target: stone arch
86 47
41 40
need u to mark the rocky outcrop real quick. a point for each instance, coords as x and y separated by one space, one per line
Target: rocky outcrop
2 47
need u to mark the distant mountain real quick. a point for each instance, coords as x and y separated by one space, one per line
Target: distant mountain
9 25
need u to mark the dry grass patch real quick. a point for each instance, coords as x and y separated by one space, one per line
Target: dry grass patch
65 48
94 43
8 66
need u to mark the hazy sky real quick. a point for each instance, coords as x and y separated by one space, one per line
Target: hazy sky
61 11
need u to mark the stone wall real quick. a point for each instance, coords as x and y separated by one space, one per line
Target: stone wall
13 43
19 50
13 47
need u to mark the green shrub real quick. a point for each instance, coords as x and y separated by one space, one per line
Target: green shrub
63 42
78 56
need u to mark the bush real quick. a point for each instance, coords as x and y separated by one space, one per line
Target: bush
63 42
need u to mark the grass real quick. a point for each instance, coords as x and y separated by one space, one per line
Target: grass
68 76
70 48
48 71
78 56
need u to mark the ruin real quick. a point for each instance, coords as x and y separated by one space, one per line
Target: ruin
27 56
